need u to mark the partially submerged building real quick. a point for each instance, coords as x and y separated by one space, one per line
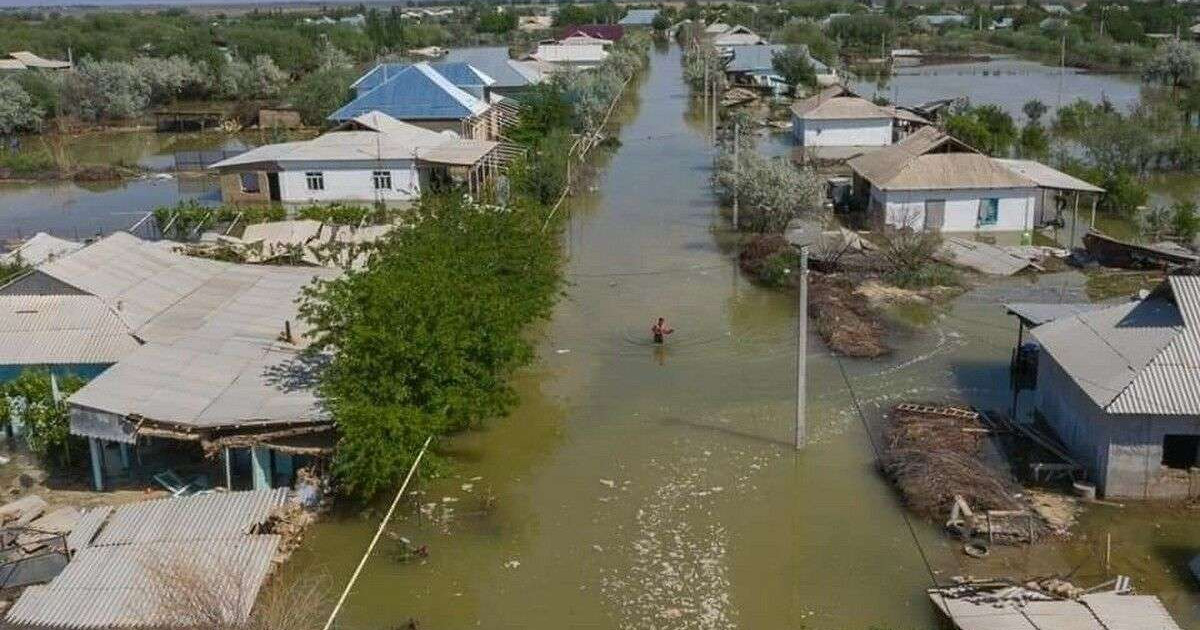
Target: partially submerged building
1121 388
369 158
737 36
755 65
835 118
132 566
638 17
207 353
932 181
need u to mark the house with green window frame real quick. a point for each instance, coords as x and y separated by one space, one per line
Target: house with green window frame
932 181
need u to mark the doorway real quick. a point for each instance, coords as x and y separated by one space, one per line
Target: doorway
935 214
273 186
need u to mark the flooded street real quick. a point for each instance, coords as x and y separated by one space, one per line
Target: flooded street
637 487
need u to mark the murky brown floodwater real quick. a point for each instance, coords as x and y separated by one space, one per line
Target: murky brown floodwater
637 488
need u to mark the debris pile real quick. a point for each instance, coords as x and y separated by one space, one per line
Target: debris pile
844 317
934 456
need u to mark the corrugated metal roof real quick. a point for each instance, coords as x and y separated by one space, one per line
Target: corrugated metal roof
125 586
1105 350
87 526
570 53
754 58
1048 177
639 17
39 248
384 138
494 62
61 330
1037 314
119 578
734 37
1099 611
982 257
216 516
417 92
461 153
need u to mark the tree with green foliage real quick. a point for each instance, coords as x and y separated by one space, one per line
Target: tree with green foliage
321 92
1034 142
1176 64
809 34
30 397
771 192
864 30
466 280
793 64
497 22
1185 221
1034 110
17 109
985 127
661 22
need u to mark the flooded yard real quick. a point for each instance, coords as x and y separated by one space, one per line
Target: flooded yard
640 487
1005 81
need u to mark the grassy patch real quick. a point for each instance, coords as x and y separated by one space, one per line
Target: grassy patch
931 274
1103 285
27 163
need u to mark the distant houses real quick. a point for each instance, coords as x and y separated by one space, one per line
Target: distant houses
737 36
557 57
1120 385
370 158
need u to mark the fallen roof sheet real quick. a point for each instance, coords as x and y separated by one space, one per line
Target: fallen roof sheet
1048 177
61 330
125 586
1099 611
1036 314
39 248
86 528
215 516
982 257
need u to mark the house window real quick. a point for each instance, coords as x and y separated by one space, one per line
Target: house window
1180 451
382 179
315 180
250 183
989 211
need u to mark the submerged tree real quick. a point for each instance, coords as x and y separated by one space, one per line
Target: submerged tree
794 65
770 192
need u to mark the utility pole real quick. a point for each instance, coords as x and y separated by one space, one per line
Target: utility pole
736 171
802 351
704 103
714 107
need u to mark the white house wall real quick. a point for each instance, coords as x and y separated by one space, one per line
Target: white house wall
842 133
906 208
349 184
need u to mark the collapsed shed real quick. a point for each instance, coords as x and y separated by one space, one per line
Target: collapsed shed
129 564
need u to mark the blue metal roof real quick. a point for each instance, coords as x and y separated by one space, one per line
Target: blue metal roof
414 92
377 75
494 62
639 17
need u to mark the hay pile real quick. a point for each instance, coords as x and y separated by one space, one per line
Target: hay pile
844 317
931 459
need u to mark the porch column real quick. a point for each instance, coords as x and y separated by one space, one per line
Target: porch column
228 459
260 467
124 456
284 465
97 450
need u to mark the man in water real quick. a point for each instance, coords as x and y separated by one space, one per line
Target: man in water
660 330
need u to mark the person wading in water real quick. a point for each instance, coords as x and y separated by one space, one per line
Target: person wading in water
660 330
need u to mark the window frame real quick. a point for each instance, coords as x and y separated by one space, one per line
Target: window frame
257 183
992 206
314 181
384 176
